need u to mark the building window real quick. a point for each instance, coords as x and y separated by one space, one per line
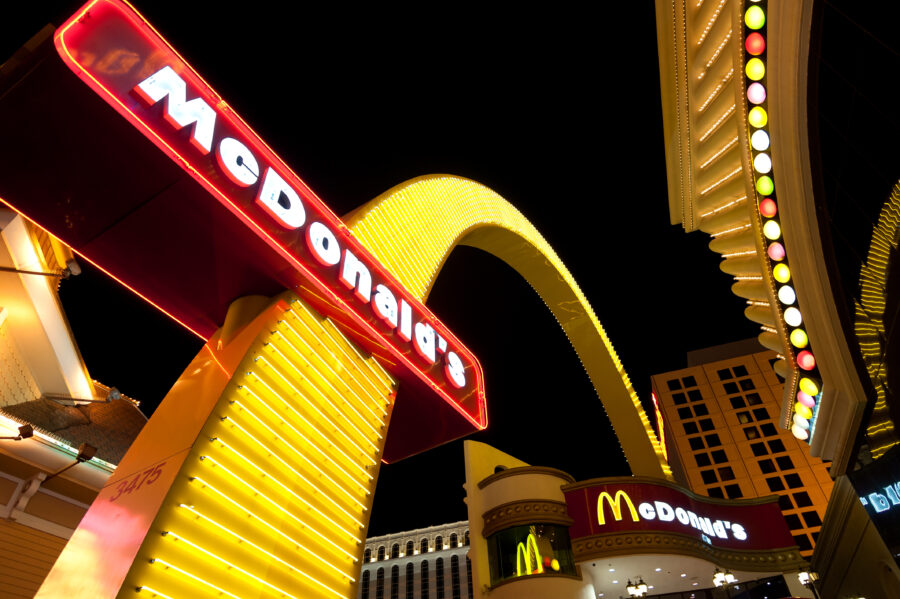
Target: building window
696 443
679 398
685 413
802 499
379 584
707 425
753 399
690 428
702 459
775 484
751 432
737 402
695 395
367 556
793 480
700 409
365 584
530 550
793 521
719 456
381 553
466 539
438 543
768 429
803 542
713 440
812 519
784 502
759 449
423 546
747 385
785 462
395 582
469 575
724 374
423 580
776 446
410 580
733 491
709 476
731 388
439 578
673 384
715 492
740 370
395 550
761 414
726 473
689 381
454 576
767 466
454 541
744 417
410 548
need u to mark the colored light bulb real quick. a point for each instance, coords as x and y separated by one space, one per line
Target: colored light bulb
765 185
768 207
762 164
756 93
755 69
755 17
799 340
776 251
799 433
755 44
801 422
759 140
786 294
804 412
782 273
806 360
805 399
758 117
771 230
809 386
793 317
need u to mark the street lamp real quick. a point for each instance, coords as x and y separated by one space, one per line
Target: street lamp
723 579
808 579
637 589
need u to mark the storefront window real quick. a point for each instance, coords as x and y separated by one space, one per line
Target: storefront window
530 551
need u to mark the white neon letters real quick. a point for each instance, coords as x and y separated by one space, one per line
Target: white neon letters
713 528
280 200
165 83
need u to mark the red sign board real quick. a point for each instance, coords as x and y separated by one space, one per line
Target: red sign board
609 507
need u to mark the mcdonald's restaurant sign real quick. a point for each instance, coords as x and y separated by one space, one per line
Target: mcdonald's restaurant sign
609 507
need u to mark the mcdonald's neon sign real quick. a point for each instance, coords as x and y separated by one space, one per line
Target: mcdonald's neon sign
529 550
615 505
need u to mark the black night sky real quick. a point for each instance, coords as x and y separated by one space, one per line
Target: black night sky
555 109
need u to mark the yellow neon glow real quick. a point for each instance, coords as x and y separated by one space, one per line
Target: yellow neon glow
156 593
412 228
268 554
615 505
174 568
526 551
311 485
269 477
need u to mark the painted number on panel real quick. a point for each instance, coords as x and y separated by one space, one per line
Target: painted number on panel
130 485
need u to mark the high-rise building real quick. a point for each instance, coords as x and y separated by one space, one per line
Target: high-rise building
719 417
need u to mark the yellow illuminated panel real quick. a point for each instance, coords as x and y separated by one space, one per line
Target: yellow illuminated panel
412 228
273 497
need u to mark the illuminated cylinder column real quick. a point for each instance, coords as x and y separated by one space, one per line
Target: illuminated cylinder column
255 476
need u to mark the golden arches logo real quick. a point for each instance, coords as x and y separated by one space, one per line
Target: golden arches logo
615 505
529 550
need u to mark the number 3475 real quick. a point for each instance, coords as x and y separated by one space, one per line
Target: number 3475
130 485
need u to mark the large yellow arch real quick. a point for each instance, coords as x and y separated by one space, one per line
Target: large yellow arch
413 227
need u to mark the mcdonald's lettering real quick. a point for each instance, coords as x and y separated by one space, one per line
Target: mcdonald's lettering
663 512
529 551
615 505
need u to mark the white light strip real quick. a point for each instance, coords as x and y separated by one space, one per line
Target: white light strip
169 566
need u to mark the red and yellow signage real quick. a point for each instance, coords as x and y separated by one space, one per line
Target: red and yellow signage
619 506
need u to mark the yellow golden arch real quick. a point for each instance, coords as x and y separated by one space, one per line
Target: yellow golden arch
413 227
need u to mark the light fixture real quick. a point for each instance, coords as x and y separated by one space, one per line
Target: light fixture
637 589
85 452
25 431
721 579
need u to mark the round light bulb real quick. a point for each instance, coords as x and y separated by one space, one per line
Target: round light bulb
776 251
782 273
799 340
793 317
801 422
762 163
809 386
759 140
755 18
756 93
765 185
805 399
755 69
768 207
786 294
755 44
805 412
758 117
771 230
799 433
805 359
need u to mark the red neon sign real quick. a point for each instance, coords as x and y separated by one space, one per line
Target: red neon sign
110 47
